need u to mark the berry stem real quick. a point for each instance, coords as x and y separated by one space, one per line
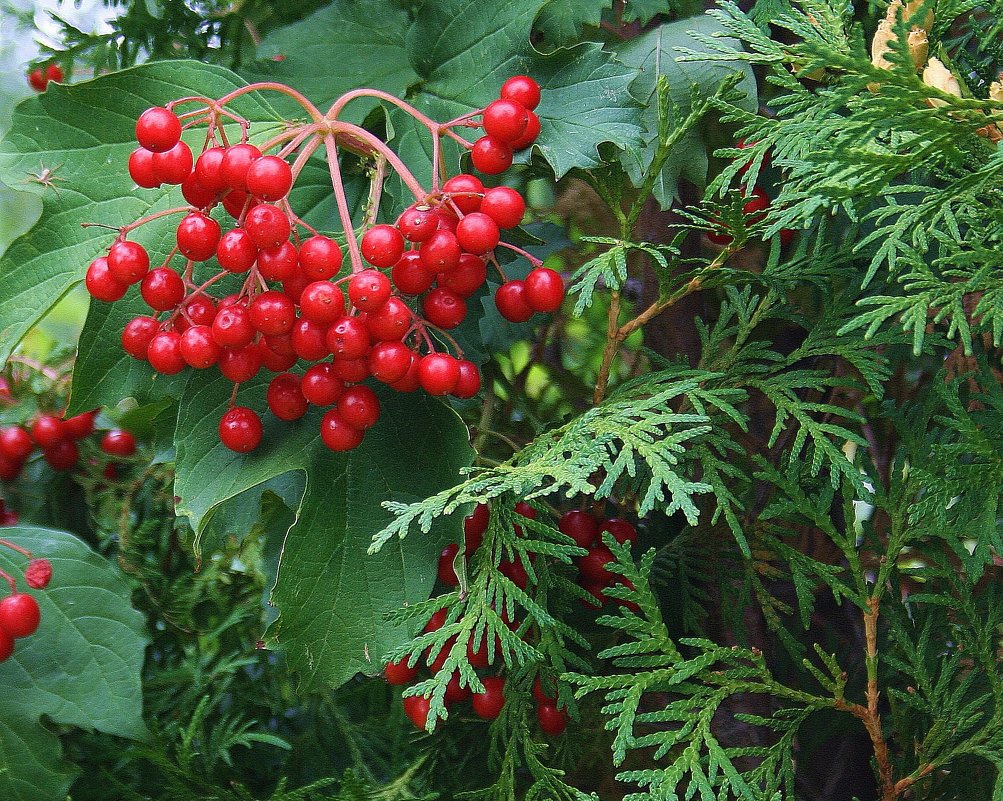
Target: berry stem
309 107
377 177
143 220
348 97
344 213
6 577
377 146
18 548
525 254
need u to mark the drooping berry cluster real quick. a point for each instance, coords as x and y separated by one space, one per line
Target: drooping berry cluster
19 612
293 315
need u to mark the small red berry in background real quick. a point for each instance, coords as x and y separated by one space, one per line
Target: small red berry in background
416 707
38 573
488 704
399 673
39 78
118 442
553 721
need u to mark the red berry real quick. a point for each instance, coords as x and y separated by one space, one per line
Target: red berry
416 707
162 289
141 168
544 290
158 129
389 361
594 589
240 364
491 156
581 526
16 443
322 302
469 382
19 615
309 340
438 373
101 284
515 572
196 194
524 509
173 166
280 264
209 170
441 253
268 226
320 386
236 252
237 203
38 573
272 313
128 262
232 327
164 353
351 371
269 177
200 310
410 276
198 235
477 233
503 205
54 73
61 456
320 257
465 191
523 90
510 298
593 566
348 338
446 573
467 277
409 383
505 120
118 442
454 692
48 430
236 161
240 429
382 245
553 721
443 308
80 425
399 673
38 82
338 435
369 290
417 223
622 531
488 704
359 407
474 526
198 348
743 144
532 132
754 208
273 360
285 397
137 334
542 696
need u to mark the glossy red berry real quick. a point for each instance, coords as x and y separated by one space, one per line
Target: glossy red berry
441 253
443 308
137 334
553 721
505 120
62 456
382 245
198 348
272 313
308 340
80 425
474 526
359 407
141 168
38 82
269 178
391 321
118 442
438 373
581 526
416 707
322 302
101 284
320 386
240 429
19 615
280 264
240 364
128 262
164 353
469 382
196 194
351 371
410 275
235 251
198 235
158 129
465 191
488 704
409 383
503 205
389 361
369 290
477 233
209 169
467 277
16 443
173 166
446 573
48 430
510 298
417 223
285 397
454 692
232 327
38 573
523 90
593 565
276 361
236 161
199 310
531 134
622 531
545 696
338 435
755 208
348 338
544 290
399 673
268 226
162 289
491 156
320 257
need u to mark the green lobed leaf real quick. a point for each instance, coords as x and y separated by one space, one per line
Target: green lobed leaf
561 22
81 668
331 596
653 55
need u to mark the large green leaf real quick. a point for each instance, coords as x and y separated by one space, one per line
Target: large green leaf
81 668
561 22
84 133
331 596
653 55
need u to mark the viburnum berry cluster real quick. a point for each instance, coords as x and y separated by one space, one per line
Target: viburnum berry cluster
294 314
19 611
581 526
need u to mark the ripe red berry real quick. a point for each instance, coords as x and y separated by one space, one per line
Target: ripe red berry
232 327
141 168
173 166
592 566
359 407
320 386
523 90
38 82
417 223
467 277
351 371
382 245
137 334
237 203
491 156
399 673
79 426
474 526
101 284
164 353
162 289
240 364
320 257
469 382
410 275
235 251
196 194
209 169
240 429
369 290
622 531
269 177
272 313
338 435
389 361
276 361
391 321
443 308
280 264
48 430
454 692
441 253
19 615
285 397
322 302
505 120
268 226
465 191
416 707
409 383
532 132
581 526
158 129
118 442
445 571
62 456
128 262
755 208
198 235
488 704
308 340
544 290
477 233
438 373
236 161
348 338
515 572
553 721
503 205
16 443
544 696
200 310
510 298
38 573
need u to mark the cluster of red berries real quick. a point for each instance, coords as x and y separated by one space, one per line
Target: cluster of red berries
291 306
19 612
38 78
56 437
754 209
587 531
